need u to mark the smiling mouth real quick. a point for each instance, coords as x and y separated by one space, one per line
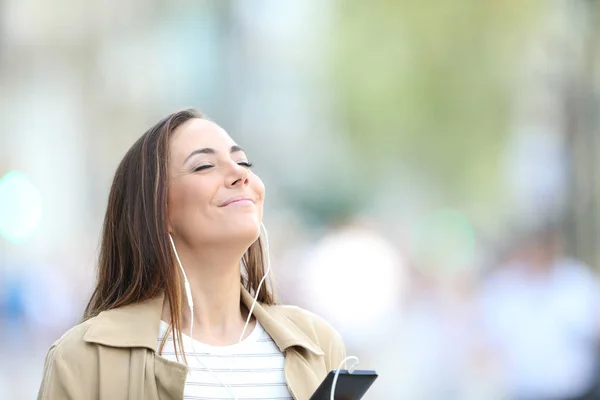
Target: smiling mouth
242 200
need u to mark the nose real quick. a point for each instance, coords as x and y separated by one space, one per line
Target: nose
238 176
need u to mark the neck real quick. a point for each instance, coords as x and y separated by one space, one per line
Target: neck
214 277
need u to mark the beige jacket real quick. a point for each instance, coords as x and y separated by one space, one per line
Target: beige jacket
112 356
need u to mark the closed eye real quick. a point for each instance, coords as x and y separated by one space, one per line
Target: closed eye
246 164
202 167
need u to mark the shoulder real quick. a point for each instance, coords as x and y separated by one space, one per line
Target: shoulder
73 338
72 345
70 368
316 329
309 322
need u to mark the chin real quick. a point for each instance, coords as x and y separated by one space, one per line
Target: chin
245 231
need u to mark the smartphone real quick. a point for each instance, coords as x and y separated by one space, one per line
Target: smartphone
350 386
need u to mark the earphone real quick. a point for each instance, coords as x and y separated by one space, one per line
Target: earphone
260 283
268 270
190 301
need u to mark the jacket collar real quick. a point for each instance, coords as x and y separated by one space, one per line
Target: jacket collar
137 325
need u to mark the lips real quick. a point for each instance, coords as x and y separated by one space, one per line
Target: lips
237 199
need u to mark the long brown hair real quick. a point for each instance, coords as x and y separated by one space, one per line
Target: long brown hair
136 262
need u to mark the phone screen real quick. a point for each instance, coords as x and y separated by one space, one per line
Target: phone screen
350 386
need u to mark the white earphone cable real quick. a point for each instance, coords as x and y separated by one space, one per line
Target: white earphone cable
188 294
337 372
190 301
268 270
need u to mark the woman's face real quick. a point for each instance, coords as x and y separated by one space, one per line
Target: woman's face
214 198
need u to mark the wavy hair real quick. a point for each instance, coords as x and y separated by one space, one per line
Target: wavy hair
136 261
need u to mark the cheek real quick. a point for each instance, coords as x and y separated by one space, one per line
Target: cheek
174 206
186 198
259 189
258 186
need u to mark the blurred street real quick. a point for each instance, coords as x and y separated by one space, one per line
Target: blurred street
432 172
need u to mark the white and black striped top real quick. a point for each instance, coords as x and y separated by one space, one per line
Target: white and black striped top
256 371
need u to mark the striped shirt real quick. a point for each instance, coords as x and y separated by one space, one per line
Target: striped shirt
253 368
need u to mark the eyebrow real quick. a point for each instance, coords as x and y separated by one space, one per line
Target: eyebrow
208 150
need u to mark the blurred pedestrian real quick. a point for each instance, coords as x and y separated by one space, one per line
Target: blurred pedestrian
541 314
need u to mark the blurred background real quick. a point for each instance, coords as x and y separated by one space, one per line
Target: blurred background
432 170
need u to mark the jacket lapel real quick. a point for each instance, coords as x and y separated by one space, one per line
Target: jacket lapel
137 325
134 325
283 331
170 378
301 378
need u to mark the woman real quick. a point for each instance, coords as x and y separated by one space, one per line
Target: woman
181 232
